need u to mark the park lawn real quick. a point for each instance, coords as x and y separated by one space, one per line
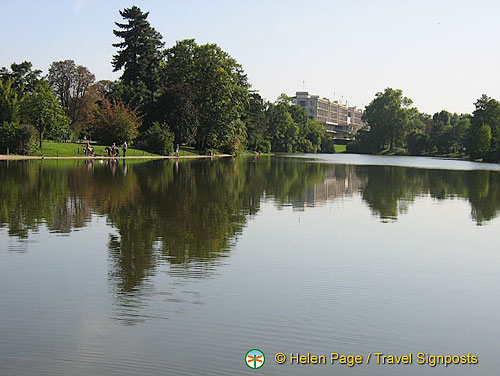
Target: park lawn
340 148
69 149
188 150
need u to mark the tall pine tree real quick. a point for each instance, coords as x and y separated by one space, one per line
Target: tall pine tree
141 52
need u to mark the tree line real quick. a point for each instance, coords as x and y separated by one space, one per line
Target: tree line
191 94
395 126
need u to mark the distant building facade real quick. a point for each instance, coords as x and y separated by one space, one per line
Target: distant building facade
340 120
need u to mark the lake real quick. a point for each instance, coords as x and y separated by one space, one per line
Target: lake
170 267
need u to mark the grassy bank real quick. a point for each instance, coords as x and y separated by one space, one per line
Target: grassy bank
403 152
61 149
340 148
70 149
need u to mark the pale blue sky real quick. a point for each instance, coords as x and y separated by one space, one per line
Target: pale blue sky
442 54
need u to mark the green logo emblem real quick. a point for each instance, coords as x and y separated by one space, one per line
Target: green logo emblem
255 358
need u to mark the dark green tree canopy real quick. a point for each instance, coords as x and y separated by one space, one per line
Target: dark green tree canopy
174 107
220 90
41 109
140 53
24 78
387 116
484 133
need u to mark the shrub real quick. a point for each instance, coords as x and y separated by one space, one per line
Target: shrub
417 143
158 139
264 146
114 122
19 139
328 145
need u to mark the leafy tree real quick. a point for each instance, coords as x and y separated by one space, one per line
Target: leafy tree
17 138
487 112
114 122
256 123
328 144
61 78
24 78
140 55
71 83
41 109
283 99
9 103
480 144
290 129
454 119
387 116
158 139
235 139
364 142
174 106
443 117
104 87
416 142
220 90
299 114
312 136
284 132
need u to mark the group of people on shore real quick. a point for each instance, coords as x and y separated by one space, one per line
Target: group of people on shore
89 150
112 151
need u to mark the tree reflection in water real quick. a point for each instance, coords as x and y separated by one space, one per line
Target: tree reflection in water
188 214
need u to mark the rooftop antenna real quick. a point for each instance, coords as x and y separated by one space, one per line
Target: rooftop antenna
303 85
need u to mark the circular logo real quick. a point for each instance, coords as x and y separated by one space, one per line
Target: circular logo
255 358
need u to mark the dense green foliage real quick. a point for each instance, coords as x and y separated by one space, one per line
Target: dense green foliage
174 106
140 55
158 139
283 127
27 102
394 125
387 116
16 138
219 90
40 108
114 122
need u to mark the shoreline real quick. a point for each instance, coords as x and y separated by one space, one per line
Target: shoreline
4 157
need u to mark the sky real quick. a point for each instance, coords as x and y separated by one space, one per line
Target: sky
442 54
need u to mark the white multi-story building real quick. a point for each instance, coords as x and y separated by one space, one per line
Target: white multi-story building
339 119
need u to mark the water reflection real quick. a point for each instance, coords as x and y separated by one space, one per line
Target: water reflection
189 214
389 191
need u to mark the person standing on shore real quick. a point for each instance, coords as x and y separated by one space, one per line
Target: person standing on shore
177 150
124 147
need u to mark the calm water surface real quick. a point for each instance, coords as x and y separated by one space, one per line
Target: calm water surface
179 268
